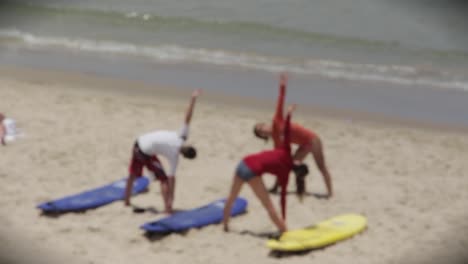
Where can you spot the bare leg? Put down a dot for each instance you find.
(302, 152)
(316, 149)
(171, 183)
(235, 189)
(165, 192)
(128, 189)
(260, 191)
(317, 152)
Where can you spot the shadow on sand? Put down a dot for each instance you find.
(149, 209)
(58, 214)
(153, 237)
(135, 209)
(309, 194)
(285, 254)
(276, 235)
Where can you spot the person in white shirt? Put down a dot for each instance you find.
(168, 144)
(8, 130)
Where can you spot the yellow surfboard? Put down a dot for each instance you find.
(320, 235)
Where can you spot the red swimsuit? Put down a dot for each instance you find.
(299, 134)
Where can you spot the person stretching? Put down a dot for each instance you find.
(308, 142)
(278, 162)
(168, 144)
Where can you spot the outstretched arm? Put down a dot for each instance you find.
(287, 128)
(188, 115)
(281, 95)
(278, 118)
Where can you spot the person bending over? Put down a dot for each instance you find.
(307, 141)
(277, 162)
(169, 144)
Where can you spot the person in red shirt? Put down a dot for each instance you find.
(308, 142)
(278, 162)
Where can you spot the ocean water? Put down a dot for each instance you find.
(414, 45)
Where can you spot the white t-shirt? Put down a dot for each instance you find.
(10, 127)
(165, 143)
(11, 133)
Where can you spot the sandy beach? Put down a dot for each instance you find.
(410, 182)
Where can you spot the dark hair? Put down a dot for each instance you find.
(189, 152)
(301, 171)
(257, 134)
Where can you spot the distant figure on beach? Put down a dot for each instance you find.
(308, 142)
(168, 144)
(8, 131)
(278, 162)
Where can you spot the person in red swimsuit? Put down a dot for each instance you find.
(308, 142)
(278, 162)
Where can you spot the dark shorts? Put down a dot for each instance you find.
(244, 172)
(140, 160)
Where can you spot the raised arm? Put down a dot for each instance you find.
(188, 115)
(281, 95)
(287, 128)
(278, 118)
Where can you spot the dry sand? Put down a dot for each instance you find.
(410, 182)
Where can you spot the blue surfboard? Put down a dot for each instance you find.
(211, 213)
(93, 198)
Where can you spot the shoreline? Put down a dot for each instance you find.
(147, 89)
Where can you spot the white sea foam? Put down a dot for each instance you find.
(398, 74)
